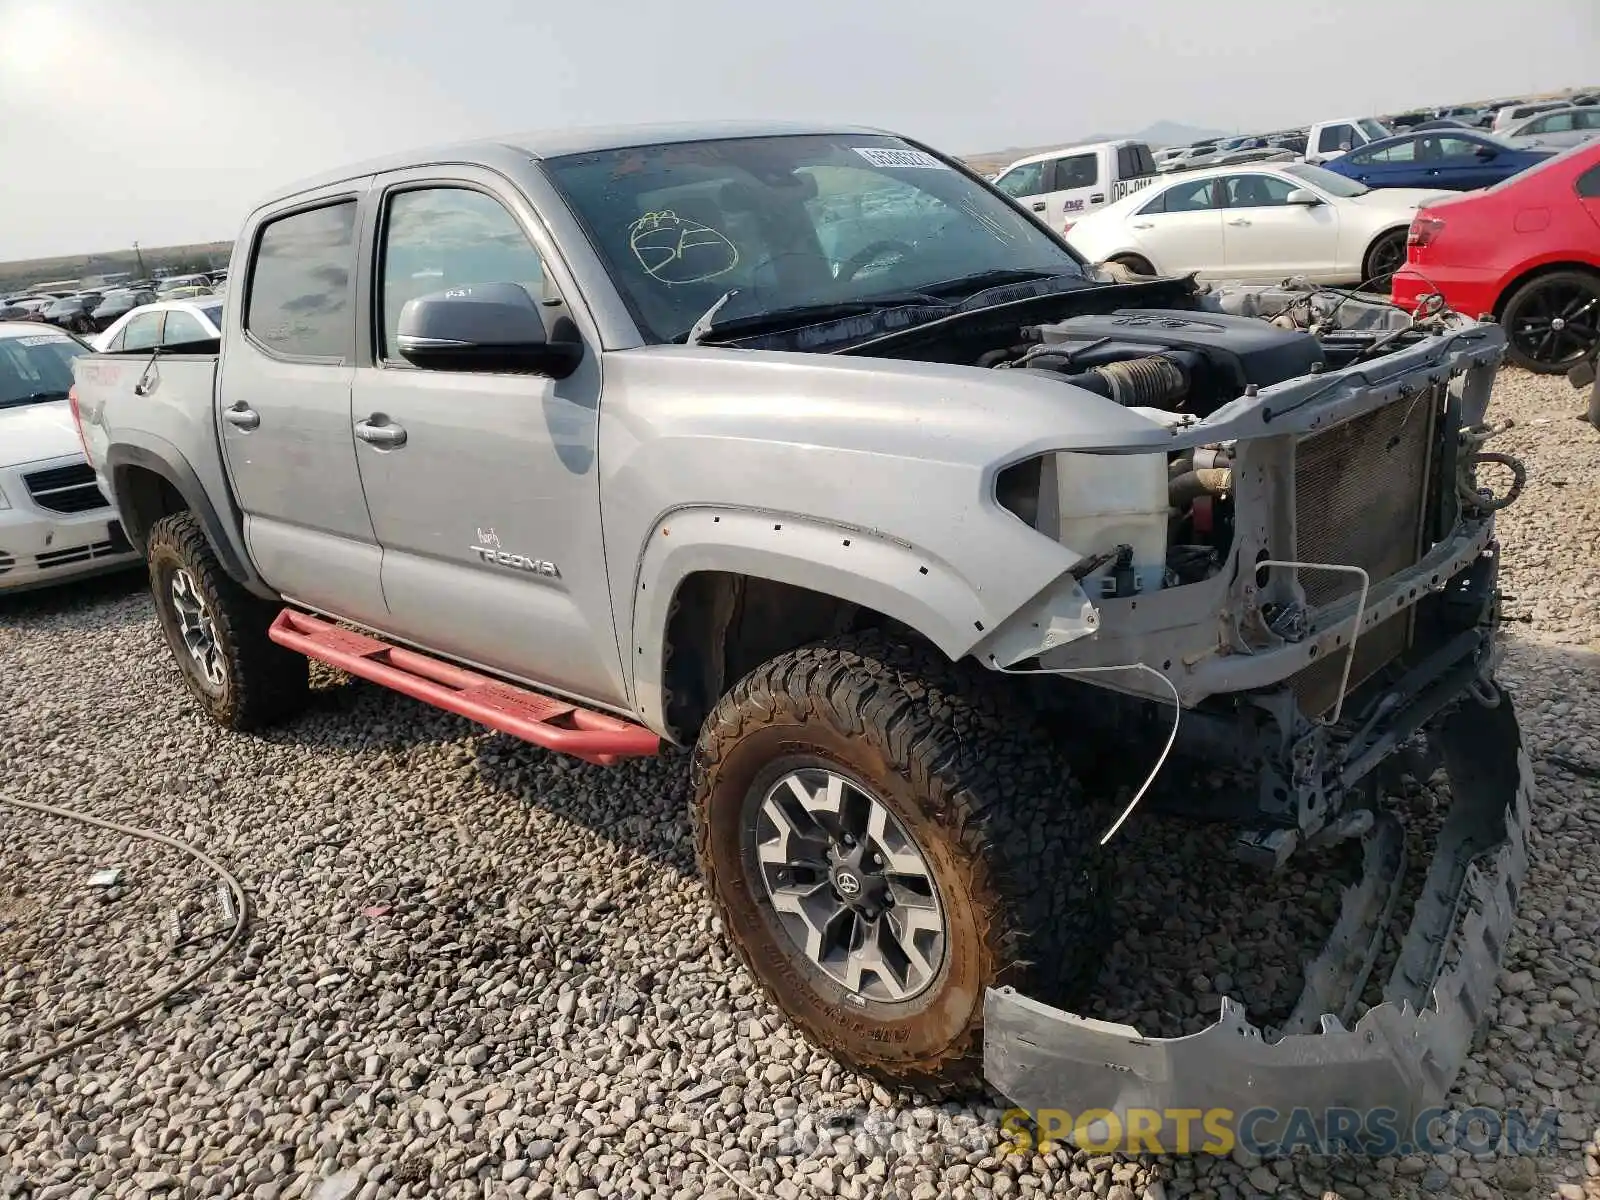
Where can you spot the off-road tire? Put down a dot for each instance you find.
(1010, 840)
(263, 682)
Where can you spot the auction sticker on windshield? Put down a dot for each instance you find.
(42, 339)
(880, 156)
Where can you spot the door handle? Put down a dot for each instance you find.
(241, 416)
(1038, 206)
(1143, 225)
(385, 436)
(1098, 198)
(1238, 221)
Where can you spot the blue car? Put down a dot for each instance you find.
(1450, 159)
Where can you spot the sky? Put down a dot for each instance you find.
(164, 121)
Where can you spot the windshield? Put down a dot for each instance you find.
(36, 368)
(1373, 129)
(1334, 185)
(789, 223)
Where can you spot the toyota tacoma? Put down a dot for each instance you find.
(806, 450)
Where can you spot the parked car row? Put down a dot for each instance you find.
(1525, 249)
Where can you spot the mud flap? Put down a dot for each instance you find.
(1402, 1055)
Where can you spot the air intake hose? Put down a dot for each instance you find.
(1154, 381)
(1208, 481)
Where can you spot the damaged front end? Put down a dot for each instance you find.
(1327, 615)
(1401, 1056)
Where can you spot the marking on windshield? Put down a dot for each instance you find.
(676, 249)
(882, 156)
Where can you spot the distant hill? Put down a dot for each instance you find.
(1161, 133)
(26, 273)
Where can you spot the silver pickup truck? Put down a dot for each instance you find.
(801, 447)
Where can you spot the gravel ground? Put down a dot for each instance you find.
(474, 969)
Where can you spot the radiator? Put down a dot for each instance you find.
(1362, 500)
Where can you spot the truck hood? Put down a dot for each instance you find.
(32, 432)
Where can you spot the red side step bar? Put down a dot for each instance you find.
(532, 716)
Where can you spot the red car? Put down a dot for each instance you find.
(1526, 251)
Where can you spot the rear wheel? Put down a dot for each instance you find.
(1552, 322)
(218, 632)
(884, 841)
(1385, 256)
(1135, 263)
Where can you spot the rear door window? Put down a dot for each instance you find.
(143, 331)
(1192, 196)
(1076, 171)
(1334, 137)
(183, 327)
(300, 302)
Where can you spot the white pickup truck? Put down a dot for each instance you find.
(1063, 185)
(1327, 140)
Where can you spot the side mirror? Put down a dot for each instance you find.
(1303, 196)
(482, 327)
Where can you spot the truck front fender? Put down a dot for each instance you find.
(862, 566)
(147, 452)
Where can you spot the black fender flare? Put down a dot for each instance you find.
(224, 530)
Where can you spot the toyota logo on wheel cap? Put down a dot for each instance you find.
(847, 883)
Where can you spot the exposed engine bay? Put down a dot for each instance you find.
(1176, 367)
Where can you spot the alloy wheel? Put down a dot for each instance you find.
(197, 628)
(1559, 323)
(849, 887)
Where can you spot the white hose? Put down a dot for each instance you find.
(241, 905)
(1172, 736)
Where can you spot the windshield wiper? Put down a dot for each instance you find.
(971, 285)
(799, 314)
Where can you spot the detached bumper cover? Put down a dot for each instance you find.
(1402, 1055)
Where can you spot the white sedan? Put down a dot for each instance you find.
(164, 323)
(55, 523)
(1256, 223)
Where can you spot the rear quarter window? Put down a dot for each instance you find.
(300, 302)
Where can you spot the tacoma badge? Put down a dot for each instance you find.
(489, 551)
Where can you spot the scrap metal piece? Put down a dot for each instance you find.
(1336, 977)
(1402, 1055)
(108, 878)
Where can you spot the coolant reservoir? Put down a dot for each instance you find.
(1110, 500)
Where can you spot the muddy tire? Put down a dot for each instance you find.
(218, 632)
(988, 873)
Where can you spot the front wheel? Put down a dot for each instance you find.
(884, 840)
(1552, 322)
